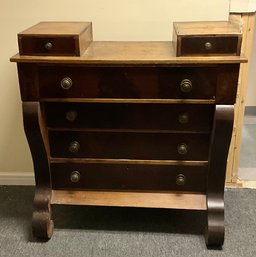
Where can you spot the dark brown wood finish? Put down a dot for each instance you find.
(56, 39)
(28, 81)
(36, 143)
(216, 83)
(61, 46)
(128, 177)
(129, 123)
(220, 141)
(129, 145)
(171, 117)
(207, 38)
(42, 225)
(220, 45)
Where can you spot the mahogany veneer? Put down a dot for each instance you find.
(129, 123)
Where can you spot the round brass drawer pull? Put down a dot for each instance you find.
(186, 85)
(182, 149)
(208, 45)
(74, 147)
(180, 180)
(75, 176)
(66, 83)
(71, 115)
(183, 118)
(48, 46)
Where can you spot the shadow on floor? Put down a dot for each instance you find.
(16, 202)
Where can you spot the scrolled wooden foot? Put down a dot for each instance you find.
(215, 229)
(42, 224)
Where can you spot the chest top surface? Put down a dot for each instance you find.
(45, 43)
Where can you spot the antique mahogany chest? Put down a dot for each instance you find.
(138, 124)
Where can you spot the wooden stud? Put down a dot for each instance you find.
(247, 22)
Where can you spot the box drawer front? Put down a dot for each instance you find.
(127, 145)
(185, 117)
(64, 45)
(128, 82)
(128, 177)
(210, 45)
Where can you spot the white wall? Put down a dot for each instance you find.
(112, 20)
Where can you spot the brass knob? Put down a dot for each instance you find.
(48, 46)
(183, 118)
(180, 180)
(75, 176)
(66, 83)
(71, 115)
(208, 45)
(186, 85)
(74, 147)
(182, 149)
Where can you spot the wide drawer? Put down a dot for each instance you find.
(128, 177)
(185, 117)
(129, 145)
(215, 83)
(128, 82)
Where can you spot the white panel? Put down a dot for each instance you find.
(242, 6)
(251, 92)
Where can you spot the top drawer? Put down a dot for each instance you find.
(216, 83)
(56, 38)
(207, 38)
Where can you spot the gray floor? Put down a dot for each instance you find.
(247, 163)
(130, 232)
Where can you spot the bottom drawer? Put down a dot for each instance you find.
(128, 177)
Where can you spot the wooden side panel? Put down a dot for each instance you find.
(85, 39)
(227, 82)
(28, 81)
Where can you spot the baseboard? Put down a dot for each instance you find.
(17, 178)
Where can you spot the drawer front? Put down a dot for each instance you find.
(128, 177)
(128, 82)
(209, 45)
(185, 117)
(48, 45)
(127, 145)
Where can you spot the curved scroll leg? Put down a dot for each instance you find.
(42, 225)
(220, 141)
(215, 231)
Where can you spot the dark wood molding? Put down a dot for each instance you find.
(219, 147)
(42, 225)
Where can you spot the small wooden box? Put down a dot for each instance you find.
(206, 38)
(56, 38)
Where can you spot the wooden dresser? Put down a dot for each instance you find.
(138, 124)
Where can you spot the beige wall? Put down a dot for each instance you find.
(112, 20)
